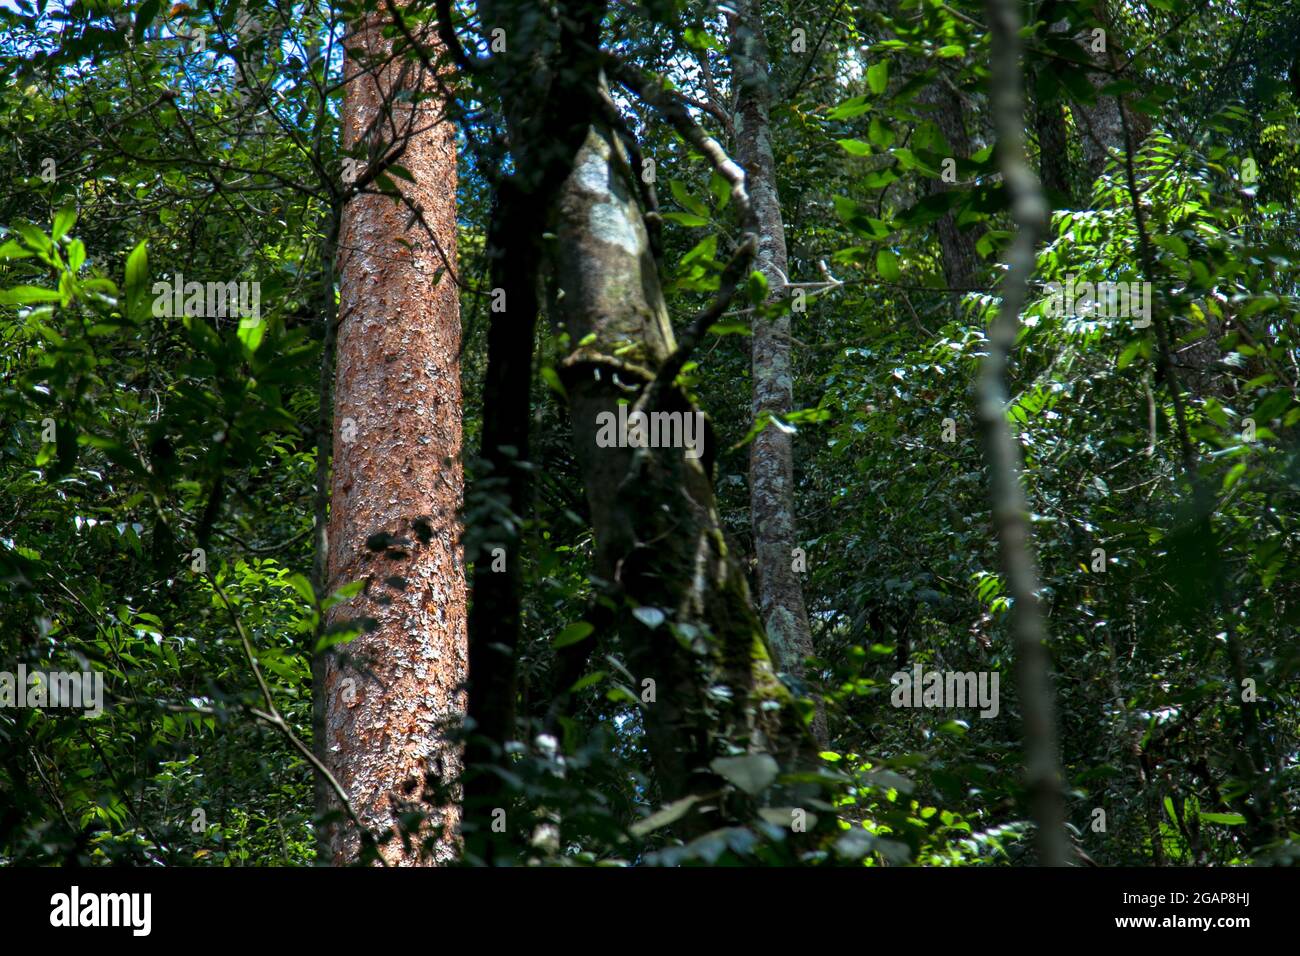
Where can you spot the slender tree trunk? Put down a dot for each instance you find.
(328, 307)
(545, 122)
(1029, 210)
(499, 504)
(1053, 145)
(391, 694)
(771, 459)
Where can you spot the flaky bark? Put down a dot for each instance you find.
(397, 480)
(771, 458)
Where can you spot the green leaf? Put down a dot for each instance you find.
(850, 108)
(1130, 352)
(721, 189)
(880, 134)
(572, 634)
(552, 378)
(13, 249)
(1234, 475)
(251, 330)
(137, 279)
(854, 214)
(588, 681)
(686, 219)
(144, 16)
(76, 254)
(909, 160)
(661, 818)
(35, 238)
(301, 585)
(700, 39)
(1272, 406)
(686, 200)
(730, 328)
(63, 221)
(887, 265)
(706, 250)
(855, 147)
(879, 179)
(752, 773)
(878, 77)
(345, 593)
(1227, 819)
(26, 294)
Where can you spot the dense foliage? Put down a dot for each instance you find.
(157, 473)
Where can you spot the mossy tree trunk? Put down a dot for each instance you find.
(682, 615)
(685, 617)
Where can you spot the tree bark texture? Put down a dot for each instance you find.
(1050, 127)
(771, 458)
(684, 611)
(397, 485)
(960, 261)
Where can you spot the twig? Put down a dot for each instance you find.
(272, 715)
(651, 90)
(732, 275)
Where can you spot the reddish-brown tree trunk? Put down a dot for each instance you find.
(391, 693)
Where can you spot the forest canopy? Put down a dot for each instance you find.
(496, 432)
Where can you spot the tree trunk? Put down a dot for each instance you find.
(545, 126)
(1030, 212)
(391, 693)
(1050, 127)
(942, 102)
(1053, 155)
(1103, 129)
(771, 458)
(960, 261)
(683, 607)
